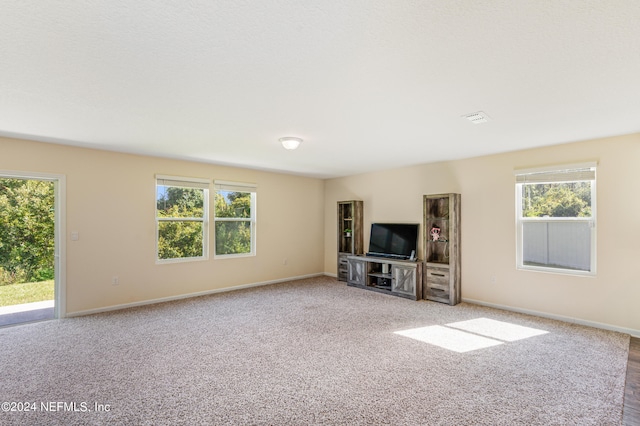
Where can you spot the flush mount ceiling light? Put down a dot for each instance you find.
(289, 142)
(477, 117)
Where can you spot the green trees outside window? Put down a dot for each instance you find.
(27, 223)
(233, 222)
(182, 218)
(566, 199)
(181, 222)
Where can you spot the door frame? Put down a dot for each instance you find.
(60, 230)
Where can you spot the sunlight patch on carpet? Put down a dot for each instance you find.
(497, 329)
(449, 338)
(471, 335)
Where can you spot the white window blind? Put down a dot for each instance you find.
(182, 182)
(221, 185)
(575, 173)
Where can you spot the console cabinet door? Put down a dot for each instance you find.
(357, 269)
(404, 279)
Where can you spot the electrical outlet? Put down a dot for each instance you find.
(492, 279)
(115, 280)
(284, 261)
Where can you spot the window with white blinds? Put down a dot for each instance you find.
(182, 218)
(235, 219)
(556, 219)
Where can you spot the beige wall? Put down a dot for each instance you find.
(111, 204)
(488, 227)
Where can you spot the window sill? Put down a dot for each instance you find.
(233, 256)
(557, 271)
(180, 260)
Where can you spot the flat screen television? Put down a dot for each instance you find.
(394, 240)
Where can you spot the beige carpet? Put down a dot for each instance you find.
(311, 352)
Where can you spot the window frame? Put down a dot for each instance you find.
(184, 182)
(553, 175)
(252, 188)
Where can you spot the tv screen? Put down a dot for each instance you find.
(397, 240)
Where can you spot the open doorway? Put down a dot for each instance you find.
(30, 247)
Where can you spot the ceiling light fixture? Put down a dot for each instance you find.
(289, 142)
(477, 117)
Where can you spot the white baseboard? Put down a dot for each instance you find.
(185, 296)
(630, 331)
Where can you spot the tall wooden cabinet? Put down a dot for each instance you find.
(350, 234)
(442, 248)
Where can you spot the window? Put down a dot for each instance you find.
(182, 223)
(235, 219)
(556, 219)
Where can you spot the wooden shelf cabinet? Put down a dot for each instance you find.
(396, 277)
(349, 243)
(441, 235)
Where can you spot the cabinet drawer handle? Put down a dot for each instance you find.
(437, 275)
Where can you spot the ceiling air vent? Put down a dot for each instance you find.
(477, 117)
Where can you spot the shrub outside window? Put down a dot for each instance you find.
(235, 219)
(556, 219)
(181, 218)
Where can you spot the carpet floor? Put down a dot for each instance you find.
(312, 351)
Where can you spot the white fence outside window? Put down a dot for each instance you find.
(563, 244)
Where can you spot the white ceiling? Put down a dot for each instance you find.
(368, 84)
